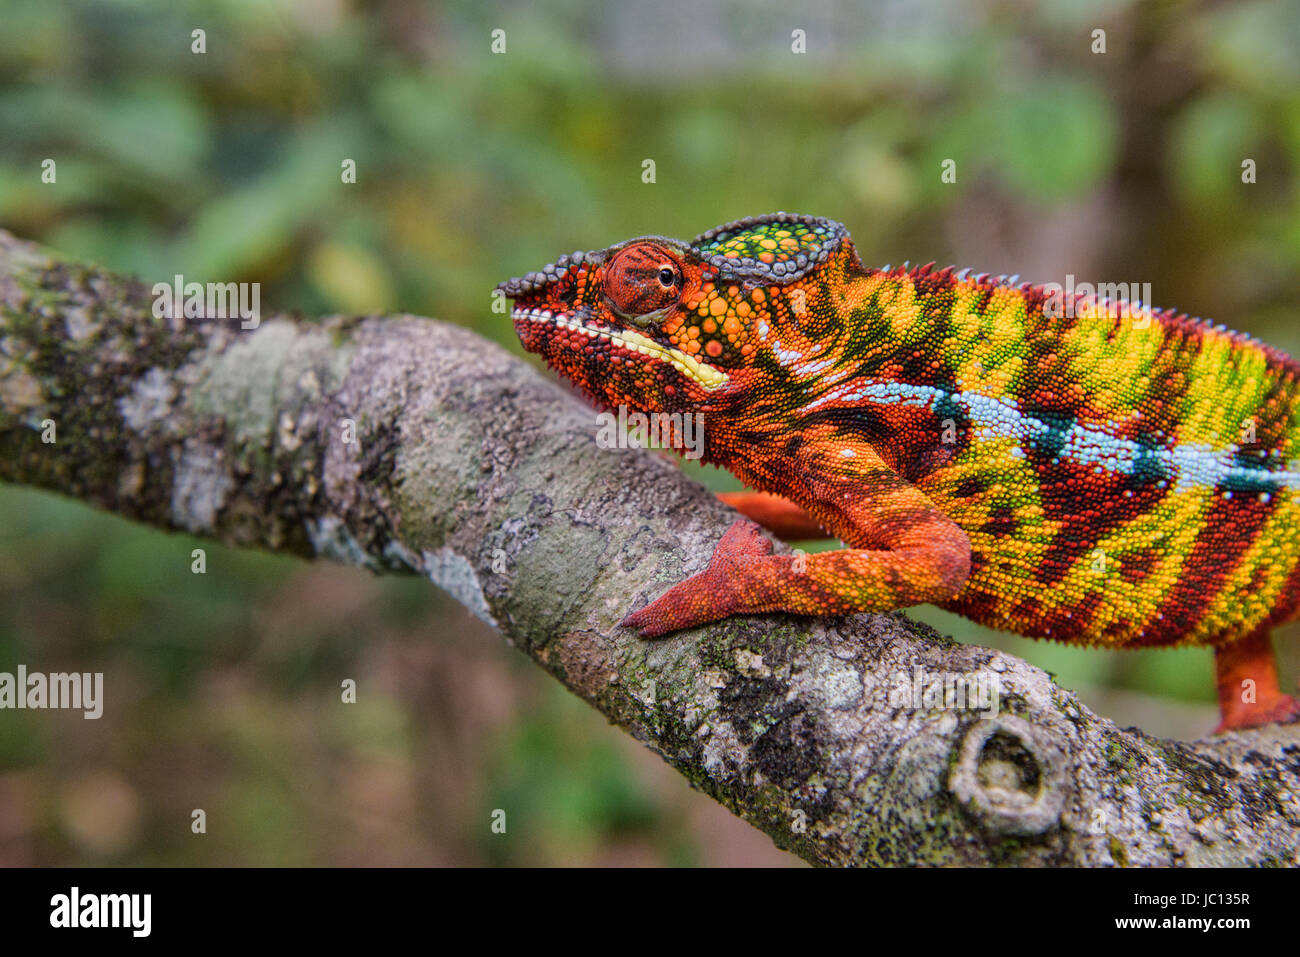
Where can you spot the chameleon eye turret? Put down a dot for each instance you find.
(1081, 475)
(642, 280)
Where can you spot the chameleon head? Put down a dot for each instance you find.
(662, 325)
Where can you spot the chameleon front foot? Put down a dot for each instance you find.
(926, 559)
(714, 593)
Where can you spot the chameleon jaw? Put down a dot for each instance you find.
(703, 375)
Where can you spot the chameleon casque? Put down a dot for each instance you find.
(1107, 475)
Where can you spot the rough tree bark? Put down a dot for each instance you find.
(472, 469)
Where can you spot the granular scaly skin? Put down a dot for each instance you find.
(1091, 472)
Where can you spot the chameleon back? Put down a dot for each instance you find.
(1126, 477)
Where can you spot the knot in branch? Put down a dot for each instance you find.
(1010, 776)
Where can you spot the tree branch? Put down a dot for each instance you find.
(472, 469)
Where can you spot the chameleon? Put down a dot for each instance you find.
(1091, 471)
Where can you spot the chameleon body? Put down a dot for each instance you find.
(1091, 472)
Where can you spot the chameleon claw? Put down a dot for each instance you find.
(644, 623)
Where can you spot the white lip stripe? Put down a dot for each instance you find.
(699, 372)
(1188, 465)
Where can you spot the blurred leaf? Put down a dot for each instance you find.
(1255, 44)
(35, 31)
(352, 278)
(1054, 139)
(877, 175)
(247, 226)
(1208, 143)
(150, 128)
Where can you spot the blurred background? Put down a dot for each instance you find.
(474, 166)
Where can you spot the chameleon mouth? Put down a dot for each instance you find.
(705, 376)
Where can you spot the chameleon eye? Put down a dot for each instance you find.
(642, 279)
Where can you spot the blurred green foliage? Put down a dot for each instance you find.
(472, 167)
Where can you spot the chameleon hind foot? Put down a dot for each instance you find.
(1247, 669)
(780, 516)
